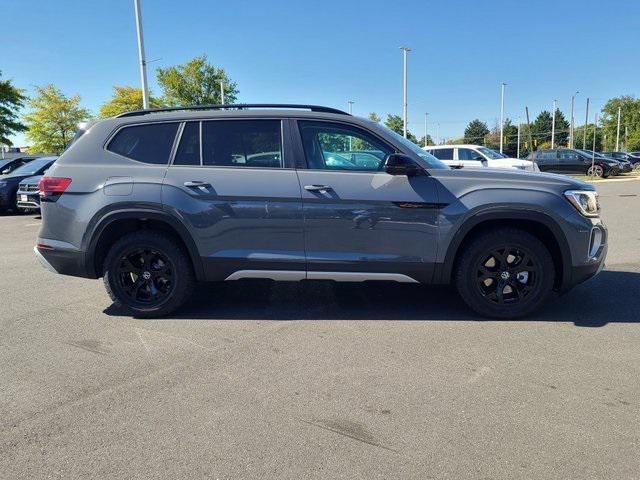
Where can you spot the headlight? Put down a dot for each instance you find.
(585, 201)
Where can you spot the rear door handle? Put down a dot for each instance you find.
(197, 183)
(317, 188)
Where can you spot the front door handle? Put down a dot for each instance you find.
(197, 183)
(317, 188)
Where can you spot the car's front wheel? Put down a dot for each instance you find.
(148, 274)
(596, 171)
(505, 273)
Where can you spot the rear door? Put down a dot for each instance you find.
(570, 162)
(447, 156)
(361, 222)
(547, 161)
(233, 184)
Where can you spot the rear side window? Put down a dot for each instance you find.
(242, 143)
(443, 153)
(150, 143)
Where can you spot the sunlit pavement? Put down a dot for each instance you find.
(320, 380)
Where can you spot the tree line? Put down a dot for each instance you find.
(53, 117)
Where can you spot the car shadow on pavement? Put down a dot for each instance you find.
(610, 297)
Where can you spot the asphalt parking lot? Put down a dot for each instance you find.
(320, 380)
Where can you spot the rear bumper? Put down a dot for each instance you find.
(32, 200)
(62, 261)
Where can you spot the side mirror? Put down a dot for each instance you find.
(399, 164)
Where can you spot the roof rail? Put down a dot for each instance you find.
(237, 106)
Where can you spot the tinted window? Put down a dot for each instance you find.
(568, 156)
(329, 146)
(34, 167)
(468, 154)
(443, 153)
(188, 152)
(145, 143)
(242, 143)
(547, 155)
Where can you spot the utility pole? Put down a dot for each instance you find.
(350, 102)
(571, 129)
(502, 85)
(618, 131)
(405, 51)
(426, 119)
(518, 150)
(437, 134)
(221, 82)
(553, 123)
(143, 61)
(586, 122)
(593, 153)
(626, 135)
(526, 109)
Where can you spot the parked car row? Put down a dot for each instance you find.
(581, 162)
(19, 182)
(477, 156)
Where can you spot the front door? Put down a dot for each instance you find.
(570, 162)
(360, 222)
(237, 194)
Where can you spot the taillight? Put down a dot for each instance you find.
(53, 185)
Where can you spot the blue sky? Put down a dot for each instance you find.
(330, 52)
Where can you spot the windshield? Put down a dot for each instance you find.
(492, 154)
(33, 167)
(409, 145)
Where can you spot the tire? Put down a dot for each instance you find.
(636, 167)
(596, 171)
(148, 274)
(485, 266)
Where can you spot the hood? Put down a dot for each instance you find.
(510, 178)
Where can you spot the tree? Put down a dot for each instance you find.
(476, 132)
(629, 118)
(510, 139)
(11, 100)
(541, 128)
(373, 116)
(196, 82)
(395, 123)
(579, 137)
(125, 99)
(429, 141)
(53, 120)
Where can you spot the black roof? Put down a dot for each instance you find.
(238, 106)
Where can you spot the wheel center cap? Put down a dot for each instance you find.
(146, 275)
(504, 275)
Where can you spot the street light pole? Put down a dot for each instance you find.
(586, 122)
(221, 82)
(350, 102)
(437, 134)
(572, 142)
(553, 123)
(405, 51)
(618, 131)
(502, 85)
(518, 154)
(426, 118)
(143, 61)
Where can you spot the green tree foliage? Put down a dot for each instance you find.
(542, 126)
(510, 139)
(429, 141)
(374, 117)
(11, 100)
(395, 123)
(195, 82)
(579, 137)
(629, 118)
(476, 132)
(53, 119)
(125, 99)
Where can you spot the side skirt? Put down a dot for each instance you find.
(292, 275)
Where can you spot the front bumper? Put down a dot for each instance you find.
(28, 200)
(596, 255)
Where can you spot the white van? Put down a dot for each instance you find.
(477, 156)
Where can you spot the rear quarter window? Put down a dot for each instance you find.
(150, 143)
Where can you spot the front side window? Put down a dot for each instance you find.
(468, 154)
(547, 155)
(242, 143)
(568, 156)
(149, 143)
(329, 146)
(443, 153)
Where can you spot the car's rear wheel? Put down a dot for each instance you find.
(636, 167)
(148, 274)
(505, 273)
(596, 171)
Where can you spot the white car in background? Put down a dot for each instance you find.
(477, 156)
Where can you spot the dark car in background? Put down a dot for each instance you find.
(631, 157)
(8, 165)
(9, 183)
(28, 196)
(574, 162)
(624, 166)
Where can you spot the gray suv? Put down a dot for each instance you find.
(155, 200)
